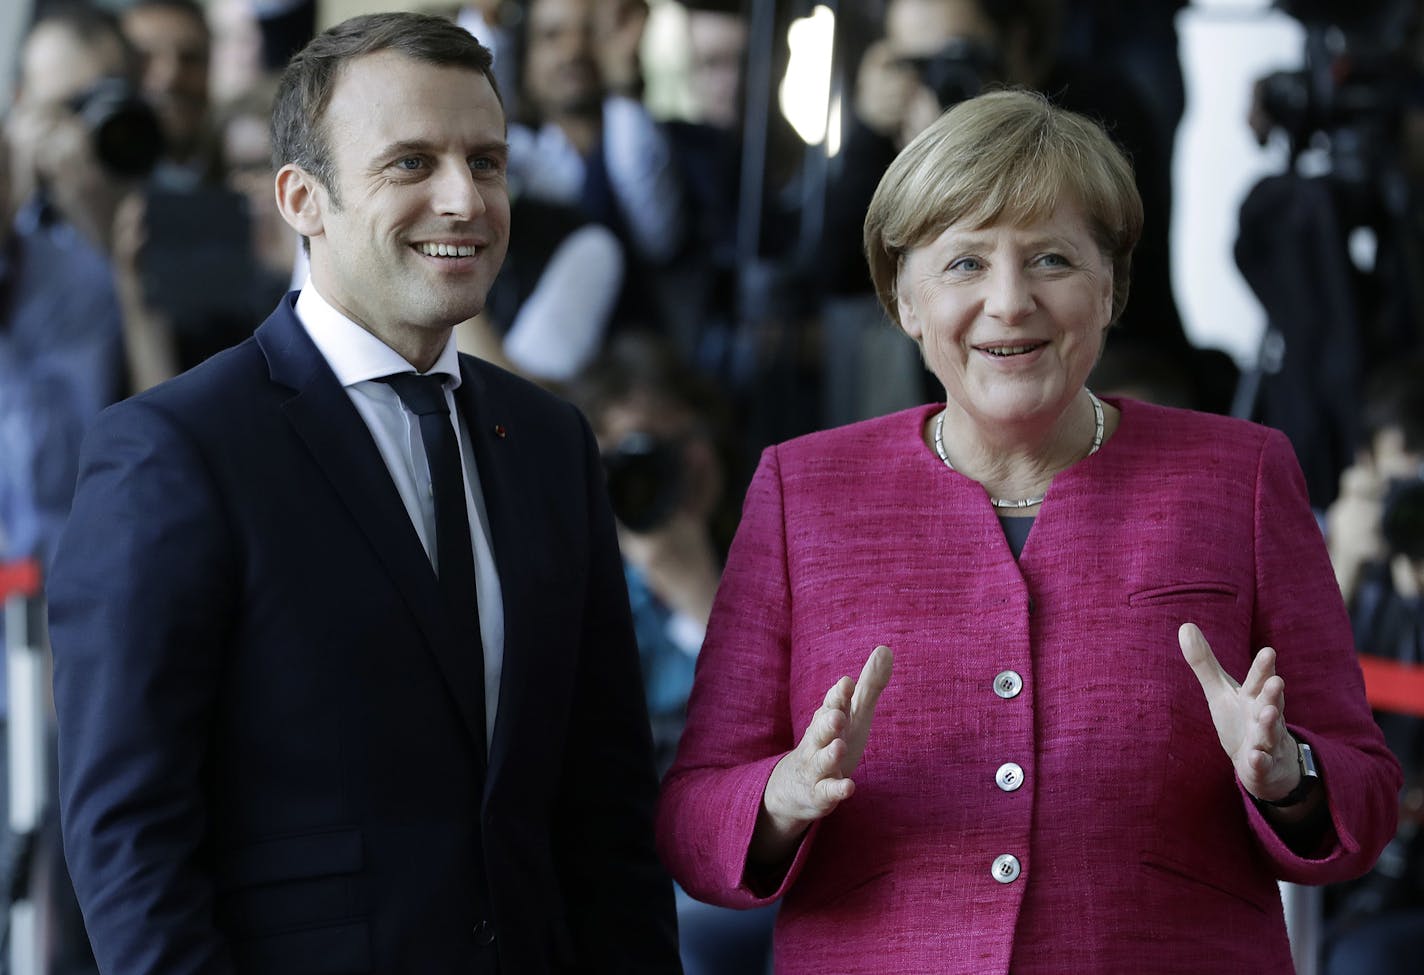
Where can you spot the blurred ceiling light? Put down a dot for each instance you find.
(806, 88)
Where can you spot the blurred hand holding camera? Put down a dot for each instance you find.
(1353, 524)
(148, 334)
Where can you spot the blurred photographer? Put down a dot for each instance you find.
(183, 250)
(1331, 246)
(75, 140)
(660, 428)
(1376, 538)
(174, 49)
(1391, 456)
(657, 426)
(64, 162)
(81, 135)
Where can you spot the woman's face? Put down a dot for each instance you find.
(1009, 318)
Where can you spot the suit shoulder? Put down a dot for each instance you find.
(240, 363)
(1191, 432)
(211, 388)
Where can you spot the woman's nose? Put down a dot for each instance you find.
(1009, 298)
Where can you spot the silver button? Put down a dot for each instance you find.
(1008, 684)
(1006, 868)
(1009, 777)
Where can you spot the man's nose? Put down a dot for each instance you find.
(456, 192)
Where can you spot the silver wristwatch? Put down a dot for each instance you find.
(1308, 777)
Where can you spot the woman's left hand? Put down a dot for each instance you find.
(1249, 717)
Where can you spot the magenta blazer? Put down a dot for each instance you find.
(1136, 848)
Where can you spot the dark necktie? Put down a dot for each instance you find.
(425, 397)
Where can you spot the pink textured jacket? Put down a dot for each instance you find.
(1136, 848)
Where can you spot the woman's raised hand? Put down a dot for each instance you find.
(1249, 717)
(815, 777)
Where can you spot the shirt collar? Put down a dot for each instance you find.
(353, 353)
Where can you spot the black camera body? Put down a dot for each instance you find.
(646, 480)
(1402, 520)
(124, 129)
(1358, 80)
(958, 71)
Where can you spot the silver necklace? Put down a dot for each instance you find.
(1021, 502)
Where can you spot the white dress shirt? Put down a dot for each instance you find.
(359, 359)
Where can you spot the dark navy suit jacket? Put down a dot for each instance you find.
(266, 727)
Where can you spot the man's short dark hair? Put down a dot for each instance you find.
(298, 118)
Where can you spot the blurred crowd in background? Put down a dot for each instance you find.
(688, 268)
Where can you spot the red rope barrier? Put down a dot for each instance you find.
(1393, 686)
(20, 578)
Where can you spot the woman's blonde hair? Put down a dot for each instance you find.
(1005, 157)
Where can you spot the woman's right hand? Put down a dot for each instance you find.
(815, 777)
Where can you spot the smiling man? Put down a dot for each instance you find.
(343, 664)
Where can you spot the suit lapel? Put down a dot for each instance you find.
(322, 415)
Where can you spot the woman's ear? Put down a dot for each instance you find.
(300, 199)
(910, 322)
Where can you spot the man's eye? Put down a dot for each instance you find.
(410, 164)
(485, 164)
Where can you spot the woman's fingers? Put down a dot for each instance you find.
(874, 677)
(1262, 669)
(1213, 679)
(1249, 717)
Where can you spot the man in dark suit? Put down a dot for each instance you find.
(300, 731)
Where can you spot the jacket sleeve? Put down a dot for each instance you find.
(140, 596)
(1299, 612)
(619, 895)
(739, 723)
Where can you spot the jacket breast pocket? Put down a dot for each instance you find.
(289, 904)
(1207, 591)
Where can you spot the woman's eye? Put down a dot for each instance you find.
(966, 264)
(1053, 260)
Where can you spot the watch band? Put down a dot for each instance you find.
(1308, 777)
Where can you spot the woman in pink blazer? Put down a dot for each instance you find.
(1063, 775)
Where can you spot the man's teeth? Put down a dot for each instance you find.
(445, 250)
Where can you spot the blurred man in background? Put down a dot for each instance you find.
(173, 43)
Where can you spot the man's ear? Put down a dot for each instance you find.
(300, 199)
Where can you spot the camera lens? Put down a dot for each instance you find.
(644, 480)
(125, 130)
(958, 72)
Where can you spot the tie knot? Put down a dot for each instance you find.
(422, 395)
